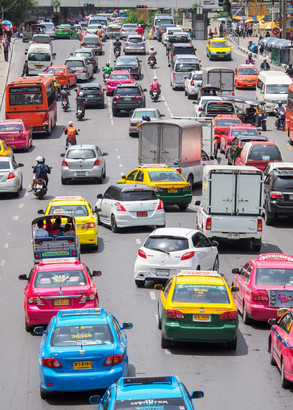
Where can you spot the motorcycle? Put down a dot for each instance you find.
(40, 188)
(117, 52)
(64, 104)
(152, 62)
(155, 95)
(70, 141)
(80, 113)
(280, 120)
(105, 77)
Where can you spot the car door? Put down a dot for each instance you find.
(266, 187)
(240, 282)
(106, 205)
(281, 335)
(204, 251)
(130, 178)
(71, 76)
(101, 158)
(163, 297)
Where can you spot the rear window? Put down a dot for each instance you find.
(64, 278)
(83, 54)
(84, 335)
(166, 243)
(135, 40)
(247, 71)
(227, 123)
(41, 39)
(90, 90)
(127, 91)
(265, 153)
(283, 183)
(139, 114)
(187, 67)
(74, 210)
(191, 293)
(219, 44)
(249, 132)
(220, 108)
(162, 403)
(74, 63)
(132, 26)
(165, 176)
(39, 56)
(132, 62)
(160, 21)
(56, 70)
(119, 76)
(10, 127)
(197, 77)
(138, 195)
(4, 165)
(183, 50)
(274, 277)
(81, 154)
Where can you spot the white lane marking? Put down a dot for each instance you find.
(167, 351)
(152, 295)
(6, 245)
(120, 165)
(8, 233)
(138, 241)
(26, 194)
(15, 218)
(118, 156)
(20, 205)
(2, 263)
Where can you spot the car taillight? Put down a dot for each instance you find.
(52, 363)
(161, 205)
(192, 83)
(143, 44)
(187, 255)
(88, 225)
(84, 70)
(228, 316)
(97, 162)
(54, 29)
(83, 45)
(138, 97)
(154, 28)
(85, 297)
(127, 44)
(133, 124)
(260, 295)
(66, 31)
(291, 351)
(117, 98)
(179, 170)
(11, 175)
(46, 119)
(276, 195)
(119, 207)
(98, 44)
(101, 91)
(114, 359)
(174, 74)
(209, 224)
(35, 300)
(200, 109)
(141, 253)
(174, 314)
(259, 225)
(64, 163)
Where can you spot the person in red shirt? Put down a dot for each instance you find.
(139, 30)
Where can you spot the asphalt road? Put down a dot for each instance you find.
(243, 379)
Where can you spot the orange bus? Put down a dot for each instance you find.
(289, 114)
(32, 99)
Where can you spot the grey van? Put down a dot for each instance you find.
(183, 65)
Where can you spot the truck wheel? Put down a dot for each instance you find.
(183, 207)
(256, 244)
(190, 180)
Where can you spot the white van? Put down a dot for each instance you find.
(272, 87)
(39, 58)
(183, 65)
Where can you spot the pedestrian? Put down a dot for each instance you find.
(25, 69)
(221, 29)
(242, 29)
(234, 27)
(249, 28)
(1, 31)
(8, 31)
(267, 34)
(6, 48)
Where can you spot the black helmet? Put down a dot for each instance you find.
(249, 55)
(108, 64)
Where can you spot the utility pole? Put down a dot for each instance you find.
(284, 18)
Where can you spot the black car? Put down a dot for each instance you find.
(93, 94)
(177, 38)
(180, 49)
(234, 150)
(278, 193)
(130, 63)
(127, 97)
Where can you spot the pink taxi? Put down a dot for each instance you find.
(118, 77)
(16, 134)
(53, 285)
(265, 285)
(281, 346)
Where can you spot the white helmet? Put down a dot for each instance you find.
(70, 123)
(81, 94)
(40, 159)
(155, 78)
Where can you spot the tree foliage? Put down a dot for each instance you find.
(17, 11)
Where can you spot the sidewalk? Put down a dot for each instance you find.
(4, 70)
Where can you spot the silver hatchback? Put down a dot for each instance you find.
(127, 29)
(134, 44)
(10, 176)
(82, 162)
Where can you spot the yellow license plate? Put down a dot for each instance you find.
(39, 67)
(201, 318)
(82, 365)
(61, 302)
(172, 190)
(9, 138)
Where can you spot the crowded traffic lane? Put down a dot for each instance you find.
(208, 367)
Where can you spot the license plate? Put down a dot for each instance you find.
(232, 236)
(82, 365)
(61, 302)
(163, 272)
(127, 98)
(39, 67)
(9, 138)
(220, 55)
(291, 197)
(172, 190)
(90, 96)
(81, 173)
(201, 318)
(142, 214)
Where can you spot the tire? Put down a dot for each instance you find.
(264, 125)
(188, 96)
(115, 112)
(272, 359)
(100, 179)
(190, 180)
(28, 328)
(246, 318)
(229, 162)
(139, 283)
(284, 382)
(64, 181)
(159, 320)
(185, 92)
(183, 207)
(95, 247)
(232, 345)
(256, 245)
(44, 395)
(269, 217)
(216, 264)
(114, 227)
(165, 343)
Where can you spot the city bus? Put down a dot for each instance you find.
(289, 114)
(32, 99)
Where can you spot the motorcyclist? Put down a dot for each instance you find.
(152, 54)
(71, 132)
(117, 44)
(265, 65)
(139, 30)
(249, 60)
(41, 170)
(80, 101)
(277, 110)
(289, 70)
(107, 69)
(155, 85)
(65, 95)
(100, 31)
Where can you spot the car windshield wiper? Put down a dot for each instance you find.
(161, 250)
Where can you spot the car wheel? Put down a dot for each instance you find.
(284, 382)
(190, 180)
(272, 359)
(44, 395)
(269, 217)
(185, 92)
(183, 207)
(159, 320)
(216, 264)
(139, 283)
(102, 105)
(64, 181)
(256, 244)
(114, 227)
(246, 318)
(165, 343)
(115, 112)
(232, 345)
(28, 328)
(100, 179)
(189, 96)
(96, 246)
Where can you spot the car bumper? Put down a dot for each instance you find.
(81, 76)
(243, 84)
(96, 172)
(128, 106)
(133, 130)
(124, 221)
(261, 313)
(88, 238)
(94, 101)
(18, 144)
(143, 272)
(175, 199)
(135, 50)
(281, 209)
(9, 186)
(224, 56)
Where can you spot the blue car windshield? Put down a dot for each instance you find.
(64, 336)
(170, 403)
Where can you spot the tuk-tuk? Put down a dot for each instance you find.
(32, 27)
(188, 30)
(54, 236)
(114, 30)
(250, 111)
(208, 90)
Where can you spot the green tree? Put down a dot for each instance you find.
(17, 10)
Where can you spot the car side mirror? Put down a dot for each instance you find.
(25, 53)
(159, 286)
(235, 271)
(39, 330)
(169, 65)
(197, 394)
(197, 203)
(40, 211)
(104, 154)
(20, 165)
(212, 157)
(234, 289)
(96, 273)
(62, 155)
(144, 89)
(127, 325)
(272, 322)
(71, 54)
(54, 54)
(100, 196)
(95, 399)
(162, 115)
(123, 177)
(22, 277)
(215, 243)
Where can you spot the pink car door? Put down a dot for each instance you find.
(280, 337)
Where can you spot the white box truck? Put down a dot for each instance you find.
(231, 206)
(176, 143)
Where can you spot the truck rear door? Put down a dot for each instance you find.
(222, 199)
(248, 194)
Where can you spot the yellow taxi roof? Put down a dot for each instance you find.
(200, 277)
(64, 200)
(157, 168)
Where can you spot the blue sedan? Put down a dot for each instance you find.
(82, 349)
(157, 393)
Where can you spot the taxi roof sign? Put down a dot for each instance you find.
(275, 256)
(79, 312)
(59, 260)
(210, 273)
(68, 198)
(153, 166)
(127, 381)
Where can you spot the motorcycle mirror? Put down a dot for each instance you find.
(144, 89)
(78, 129)
(62, 155)
(104, 154)
(20, 165)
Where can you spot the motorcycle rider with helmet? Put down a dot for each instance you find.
(41, 170)
(278, 109)
(107, 69)
(71, 132)
(250, 60)
(64, 95)
(152, 54)
(80, 101)
(155, 85)
(265, 65)
(117, 44)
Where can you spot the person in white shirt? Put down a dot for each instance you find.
(40, 232)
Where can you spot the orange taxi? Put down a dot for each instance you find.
(246, 76)
(64, 74)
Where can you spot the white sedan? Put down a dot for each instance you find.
(10, 176)
(167, 251)
(170, 31)
(126, 205)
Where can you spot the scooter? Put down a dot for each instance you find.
(280, 120)
(80, 113)
(155, 95)
(40, 188)
(70, 141)
(152, 62)
(117, 51)
(105, 77)
(64, 104)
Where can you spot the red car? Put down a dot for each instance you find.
(265, 285)
(118, 77)
(234, 131)
(246, 76)
(65, 76)
(281, 346)
(258, 154)
(221, 124)
(16, 134)
(53, 285)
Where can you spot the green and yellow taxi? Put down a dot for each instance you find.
(5, 150)
(218, 49)
(85, 217)
(197, 306)
(65, 31)
(168, 183)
